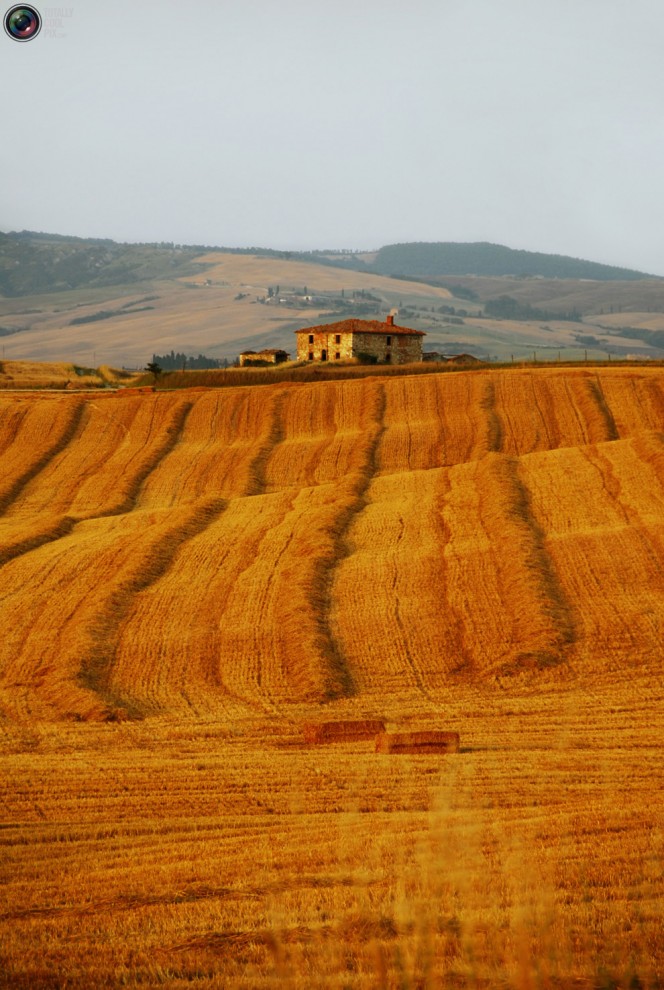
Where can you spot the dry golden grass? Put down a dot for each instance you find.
(224, 854)
(187, 580)
(56, 375)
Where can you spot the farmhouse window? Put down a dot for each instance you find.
(323, 355)
(388, 358)
(311, 338)
(389, 341)
(311, 357)
(337, 338)
(337, 356)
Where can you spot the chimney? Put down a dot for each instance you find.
(390, 320)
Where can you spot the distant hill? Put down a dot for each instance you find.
(424, 259)
(32, 263)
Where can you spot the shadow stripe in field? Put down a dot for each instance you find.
(500, 578)
(222, 614)
(322, 426)
(102, 428)
(22, 532)
(45, 431)
(389, 595)
(603, 528)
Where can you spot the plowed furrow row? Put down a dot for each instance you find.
(274, 637)
(321, 434)
(102, 471)
(294, 648)
(636, 402)
(46, 430)
(48, 600)
(80, 590)
(189, 637)
(600, 512)
(433, 421)
(12, 415)
(413, 427)
(390, 608)
(501, 579)
(589, 401)
(597, 392)
(222, 449)
(102, 428)
(16, 538)
(534, 412)
(494, 421)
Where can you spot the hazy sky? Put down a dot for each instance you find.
(331, 123)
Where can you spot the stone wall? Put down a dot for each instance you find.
(403, 349)
(324, 341)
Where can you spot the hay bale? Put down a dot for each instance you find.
(417, 742)
(343, 731)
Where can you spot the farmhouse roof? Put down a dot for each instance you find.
(362, 326)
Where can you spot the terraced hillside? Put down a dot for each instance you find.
(299, 543)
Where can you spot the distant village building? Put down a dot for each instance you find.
(386, 342)
(270, 355)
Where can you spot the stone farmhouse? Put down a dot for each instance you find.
(271, 355)
(387, 342)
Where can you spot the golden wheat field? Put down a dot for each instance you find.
(190, 580)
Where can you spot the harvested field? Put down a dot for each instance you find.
(420, 508)
(57, 375)
(192, 582)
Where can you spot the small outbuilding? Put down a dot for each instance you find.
(370, 339)
(270, 355)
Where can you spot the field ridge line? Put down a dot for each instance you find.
(67, 523)
(152, 560)
(340, 678)
(12, 492)
(494, 426)
(257, 482)
(554, 629)
(60, 528)
(597, 392)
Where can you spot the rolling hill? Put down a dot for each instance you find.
(480, 524)
(424, 259)
(187, 578)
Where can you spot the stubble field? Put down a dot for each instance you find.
(187, 578)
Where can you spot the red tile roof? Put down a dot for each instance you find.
(362, 326)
